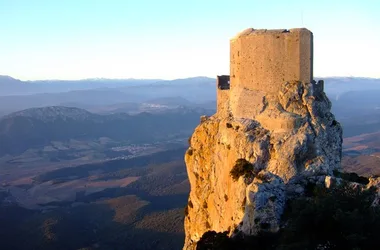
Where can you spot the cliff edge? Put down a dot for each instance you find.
(272, 134)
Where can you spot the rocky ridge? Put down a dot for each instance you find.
(283, 161)
(272, 142)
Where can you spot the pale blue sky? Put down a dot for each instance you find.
(76, 39)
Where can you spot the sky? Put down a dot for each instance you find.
(168, 39)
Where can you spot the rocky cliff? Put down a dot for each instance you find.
(241, 172)
(243, 166)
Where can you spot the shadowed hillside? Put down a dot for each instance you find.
(37, 127)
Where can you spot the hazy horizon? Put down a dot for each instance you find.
(159, 79)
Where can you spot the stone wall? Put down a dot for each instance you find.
(265, 59)
(261, 63)
(222, 94)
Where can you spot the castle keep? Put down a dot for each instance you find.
(271, 115)
(261, 61)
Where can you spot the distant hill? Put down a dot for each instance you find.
(358, 111)
(94, 94)
(195, 89)
(8, 80)
(37, 127)
(354, 100)
(157, 105)
(361, 154)
(170, 101)
(91, 97)
(334, 86)
(11, 86)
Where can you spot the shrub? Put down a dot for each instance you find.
(341, 217)
(242, 167)
(353, 177)
(190, 151)
(212, 240)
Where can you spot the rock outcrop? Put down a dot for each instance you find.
(263, 145)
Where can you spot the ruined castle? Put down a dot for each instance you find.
(272, 114)
(261, 62)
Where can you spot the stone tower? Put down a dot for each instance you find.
(262, 59)
(261, 62)
(271, 114)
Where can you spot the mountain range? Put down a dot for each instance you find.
(38, 127)
(100, 162)
(353, 99)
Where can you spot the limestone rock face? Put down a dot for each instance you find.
(290, 136)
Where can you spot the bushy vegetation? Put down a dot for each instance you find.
(146, 214)
(242, 167)
(212, 240)
(130, 167)
(338, 218)
(342, 217)
(353, 177)
(189, 151)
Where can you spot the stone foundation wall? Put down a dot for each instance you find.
(222, 94)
